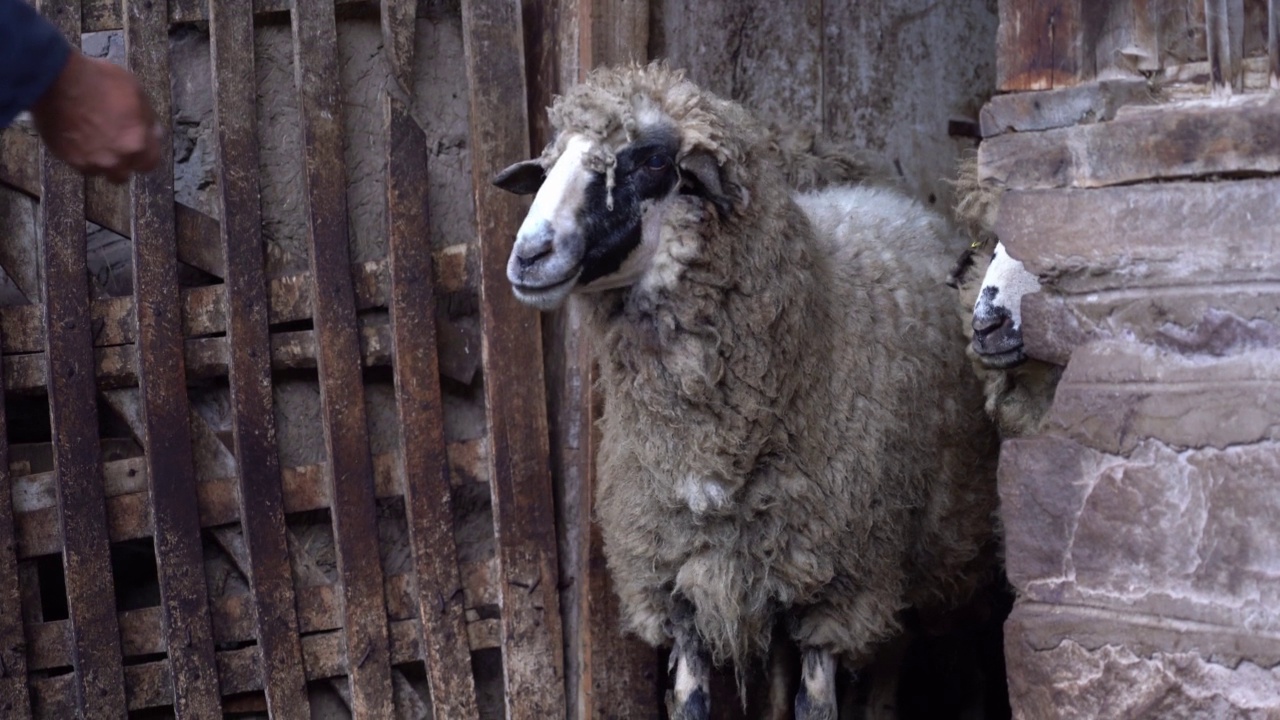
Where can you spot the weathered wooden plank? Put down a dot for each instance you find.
(116, 366)
(102, 15)
(319, 610)
(428, 506)
(148, 683)
(515, 397)
(14, 698)
(1273, 42)
(1048, 109)
(163, 392)
(1041, 45)
(108, 205)
(399, 31)
(1224, 34)
(261, 506)
(763, 54)
(204, 309)
(99, 676)
(1128, 41)
(338, 359)
(606, 674)
(1163, 143)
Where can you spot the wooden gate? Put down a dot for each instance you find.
(157, 561)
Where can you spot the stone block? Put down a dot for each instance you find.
(1081, 663)
(1184, 534)
(1047, 109)
(1115, 395)
(1141, 143)
(1196, 319)
(1144, 236)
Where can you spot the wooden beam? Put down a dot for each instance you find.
(98, 680)
(15, 701)
(163, 388)
(342, 397)
(261, 506)
(420, 407)
(1041, 45)
(533, 662)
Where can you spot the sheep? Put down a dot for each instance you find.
(991, 284)
(791, 434)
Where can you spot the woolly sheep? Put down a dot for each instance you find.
(790, 432)
(1018, 390)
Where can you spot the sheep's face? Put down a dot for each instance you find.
(583, 235)
(997, 314)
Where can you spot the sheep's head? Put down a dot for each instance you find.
(997, 313)
(632, 144)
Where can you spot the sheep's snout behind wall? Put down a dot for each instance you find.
(997, 314)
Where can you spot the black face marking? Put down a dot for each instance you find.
(645, 170)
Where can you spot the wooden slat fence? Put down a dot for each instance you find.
(361, 632)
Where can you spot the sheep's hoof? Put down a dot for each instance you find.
(807, 708)
(695, 707)
(817, 697)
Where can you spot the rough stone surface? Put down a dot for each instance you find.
(1115, 395)
(1056, 324)
(1061, 677)
(1187, 534)
(1047, 109)
(1141, 143)
(1155, 235)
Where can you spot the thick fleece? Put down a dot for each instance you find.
(791, 430)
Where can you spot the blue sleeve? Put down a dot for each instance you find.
(32, 54)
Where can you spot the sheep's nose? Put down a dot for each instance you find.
(534, 247)
(985, 324)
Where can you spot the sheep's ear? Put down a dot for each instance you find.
(700, 175)
(523, 178)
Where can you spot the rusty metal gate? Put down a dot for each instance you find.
(108, 466)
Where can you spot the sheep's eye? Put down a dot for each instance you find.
(657, 162)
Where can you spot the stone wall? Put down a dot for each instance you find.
(1141, 532)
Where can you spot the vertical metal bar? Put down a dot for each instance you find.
(15, 700)
(515, 396)
(95, 653)
(338, 360)
(162, 385)
(424, 463)
(248, 335)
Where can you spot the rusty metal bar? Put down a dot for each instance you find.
(15, 701)
(261, 502)
(315, 47)
(428, 506)
(99, 674)
(515, 396)
(163, 391)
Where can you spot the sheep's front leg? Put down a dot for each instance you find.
(690, 667)
(817, 697)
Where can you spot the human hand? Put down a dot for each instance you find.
(96, 119)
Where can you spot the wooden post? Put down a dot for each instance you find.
(425, 467)
(520, 478)
(1041, 45)
(99, 672)
(162, 384)
(350, 468)
(260, 496)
